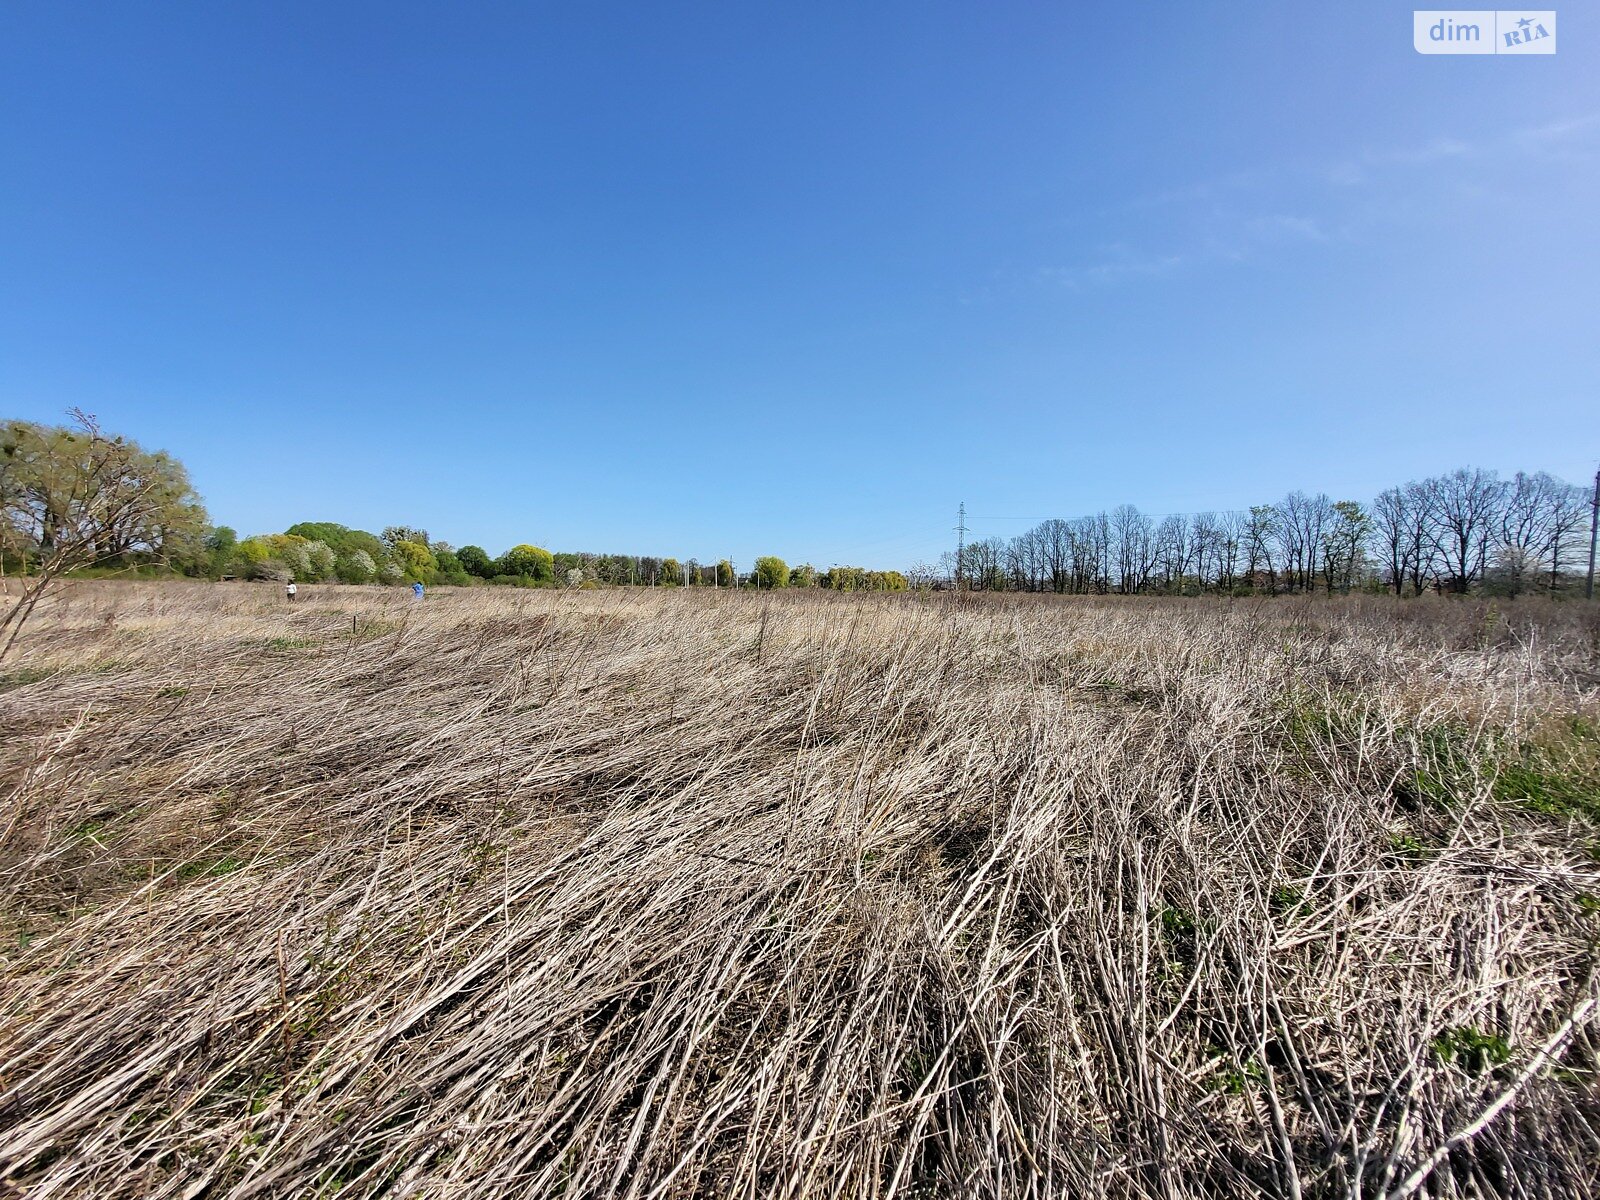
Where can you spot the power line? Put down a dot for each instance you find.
(1205, 512)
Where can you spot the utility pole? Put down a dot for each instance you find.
(1594, 535)
(961, 540)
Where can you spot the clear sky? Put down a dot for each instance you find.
(794, 278)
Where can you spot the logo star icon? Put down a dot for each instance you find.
(1525, 22)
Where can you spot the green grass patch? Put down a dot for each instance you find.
(202, 868)
(1556, 772)
(287, 645)
(1448, 767)
(24, 676)
(373, 627)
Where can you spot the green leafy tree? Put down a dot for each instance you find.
(772, 572)
(847, 579)
(725, 574)
(293, 552)
(322, 559)
(528, 562)
(341, 539)
(449, 569)
(393, 535)
(671, 572)
(1343, 548)
(220, 544)
(803, 576)
(475, 561)
(80, 497)
(253, 559)
(357, 567)
(417, 563)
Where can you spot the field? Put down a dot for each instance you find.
(684, 893)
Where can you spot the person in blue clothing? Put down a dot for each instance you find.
(416, 591)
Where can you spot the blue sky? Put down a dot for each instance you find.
(794, 278)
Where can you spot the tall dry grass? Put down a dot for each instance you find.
(651, 894)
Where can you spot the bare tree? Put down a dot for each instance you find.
(982, 564)
(1204, 534)
(1231, 535)
(1539, 519)
(1259, 536)
(1426, 553)
(1133, 535)
(1391, 526)
(1301, 522)
(1467, 508)
(1441, 532)
(1172, 550)
(1055, 554)
(1568, 521)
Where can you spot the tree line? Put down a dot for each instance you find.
(316, 551)
(75, 499)
(1467, 530)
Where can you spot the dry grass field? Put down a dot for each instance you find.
(668, 894)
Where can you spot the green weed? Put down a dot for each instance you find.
(1289, 901)
(1471, 1049)
(1403, 845)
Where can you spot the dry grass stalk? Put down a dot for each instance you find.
(667, 894)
